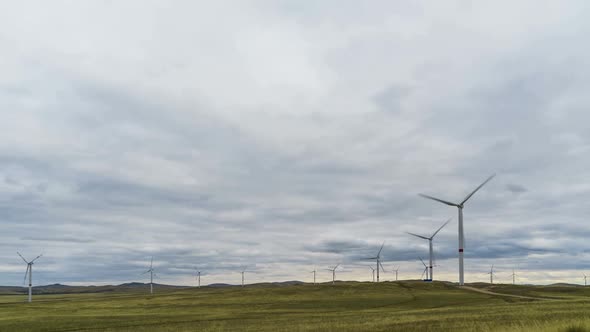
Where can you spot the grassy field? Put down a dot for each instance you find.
(349, 306)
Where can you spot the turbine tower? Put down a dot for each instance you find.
(491, 273)
(396, 270)
(425, 269)
(29, 272)
(373, 271)
(584, 281)
(151, 272)
(378, 260)
(198, 277)
(430, 244)
(460, 206)
(313, 275)
(334, 272)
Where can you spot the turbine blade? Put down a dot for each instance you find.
(476, 189)
(21, 256)
(379, 253)
(26, 272)
(423, 273)
(336, 266)
(382, 269)
(36, 258)
(422, 261)
(420, 236)
(151, 262)
(438, 200)
(441, 227)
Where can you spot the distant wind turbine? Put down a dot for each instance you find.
(313, 275)
(198, 277)
(513, 277)
(29, 271)
(584, 281)
(151, 272)
(334, 272)
(459, 206)
(373, 271)
(425, 268)
(242, 272)
(491, 273)
(378, 261)
(396, 270)
(430, 244)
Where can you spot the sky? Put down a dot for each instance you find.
(286, 136)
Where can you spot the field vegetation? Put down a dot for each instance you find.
(345, 306)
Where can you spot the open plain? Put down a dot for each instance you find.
(345, 306)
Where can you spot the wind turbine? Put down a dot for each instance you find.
(584, 281)
(198, 277)
(334, 272)
(242, 272)
(460, 206)
(430, 244)
(396, 270)
(373, 271)
(313, 275)
(425, 269)
(513, 277)
(29, 271)
(151, 272)
(378, 260)
(491, 273)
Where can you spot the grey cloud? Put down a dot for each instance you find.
(57, 239)
(390, 99)
(515, 188)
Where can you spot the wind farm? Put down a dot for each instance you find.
(294, 166)
(423, 290)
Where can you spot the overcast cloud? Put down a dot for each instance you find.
(291, 135)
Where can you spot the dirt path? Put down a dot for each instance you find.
(483, 291)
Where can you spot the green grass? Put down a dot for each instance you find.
(350, 306)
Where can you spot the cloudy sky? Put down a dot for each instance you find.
(291, 135)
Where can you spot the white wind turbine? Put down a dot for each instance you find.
(460, 206)
(584, 281)
(513, 277)
(378, 260)
(396, 270)
(333, 272)
(373, 271)
(430, 245)
(425, 269)
(29, 271)
(313, 275)
(151, 272)
(491, 273)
